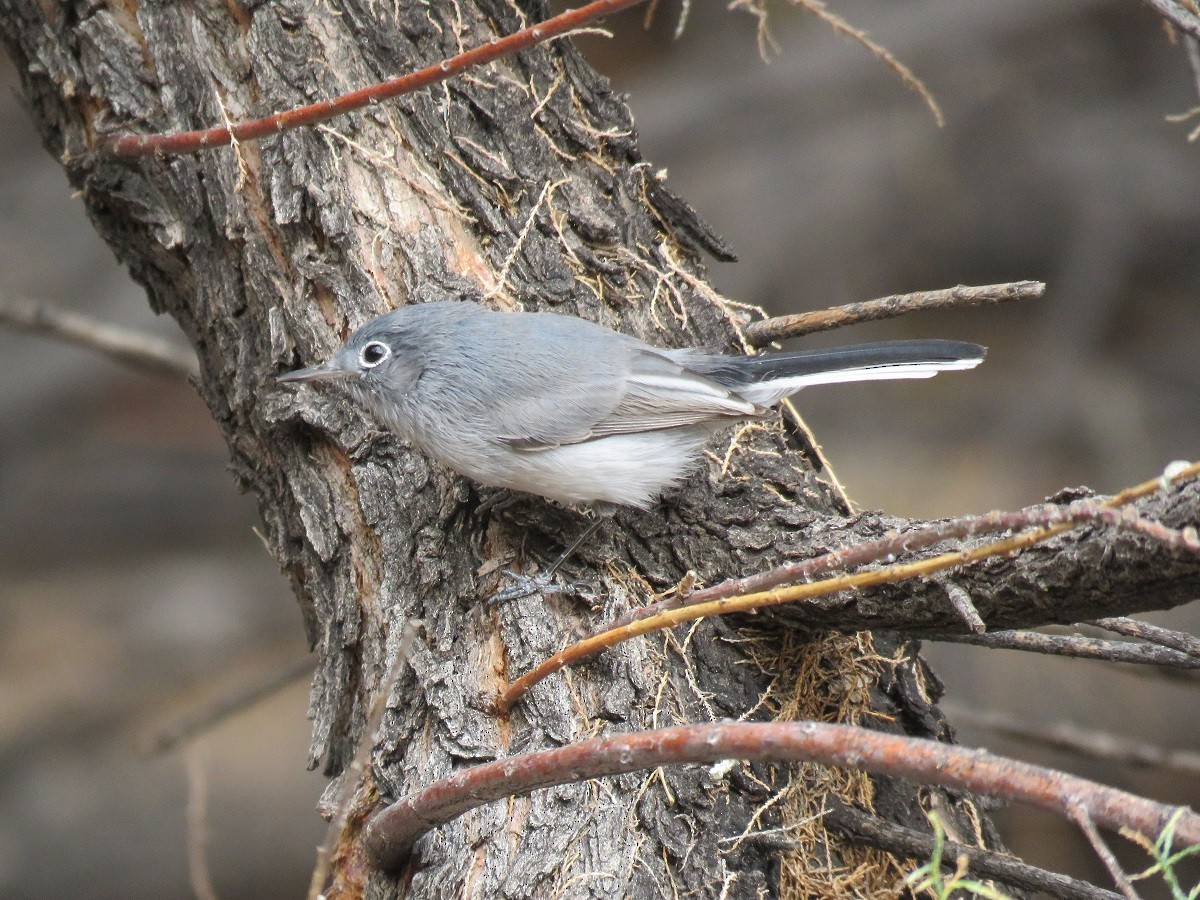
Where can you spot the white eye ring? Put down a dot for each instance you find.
(373, 354)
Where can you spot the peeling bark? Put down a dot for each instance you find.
(522, 179)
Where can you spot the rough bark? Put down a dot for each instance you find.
(525, 173)
(1074, 577)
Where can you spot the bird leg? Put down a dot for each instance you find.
(525, 586)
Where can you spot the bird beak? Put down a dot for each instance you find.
(324, 372)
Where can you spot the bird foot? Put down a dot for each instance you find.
(520, 586)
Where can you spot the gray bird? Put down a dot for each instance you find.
(563, 408)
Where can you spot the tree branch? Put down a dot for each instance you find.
(128, 347)
(780, 328)
(392, 831)
(1076, 646)
(197, 721)
(1079, 814)
(839, 602)
(1153, 634)
(899, 841)
(134, 145)
(1080, 741)
(1049, 519)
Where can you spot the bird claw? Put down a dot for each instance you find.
(497, 501)
(527, 586)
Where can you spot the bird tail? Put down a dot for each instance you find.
(769, 378)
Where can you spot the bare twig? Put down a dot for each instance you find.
(1177, 15)
(132, 145)
(353, 773)
(840, 25)
(1081, 817)
(208, 716)
(1080, 741)
(390, 834)
(961, 601)
(1191, 46)
(132, 348)
(1075, 646)
(1154, 634)
(782, 327)
(864, 828)
(197, 828)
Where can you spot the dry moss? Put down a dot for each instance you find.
(828, 680)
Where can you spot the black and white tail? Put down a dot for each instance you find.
(769, 378)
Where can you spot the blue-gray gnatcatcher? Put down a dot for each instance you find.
(560, 407)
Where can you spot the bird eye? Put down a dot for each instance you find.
(373, 354)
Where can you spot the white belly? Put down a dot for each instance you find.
(628, 469)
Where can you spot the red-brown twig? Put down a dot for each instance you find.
(390, 834)
(133, 145)
(782, 327)
(1052, 520)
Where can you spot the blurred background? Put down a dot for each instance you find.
(133, 587)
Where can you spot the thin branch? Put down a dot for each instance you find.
(197, 829)
(353, 773)
(1080, 816)
(872, 831)
(840, 25)
(133, 145)
(1076, 646)
(132, 348)
(1191, 46)
(1080, 741)
(781, 327)
(210, 715)
(1153, 634)
(390, 834)
(1177, 15)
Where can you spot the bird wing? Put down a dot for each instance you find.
(652, 393)
(661, 393)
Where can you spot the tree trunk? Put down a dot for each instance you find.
(521, 181)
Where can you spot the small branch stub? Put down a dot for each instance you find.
(783, 327)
